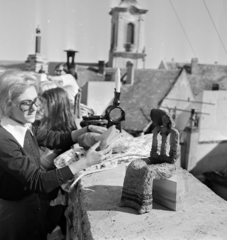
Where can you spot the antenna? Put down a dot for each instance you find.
(183, 110)
(182, 100)
(194, 118)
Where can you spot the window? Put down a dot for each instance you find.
(130, 33)
(113, 37)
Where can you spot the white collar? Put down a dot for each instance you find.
(15, 128)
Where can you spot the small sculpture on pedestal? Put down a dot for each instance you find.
(138, 182)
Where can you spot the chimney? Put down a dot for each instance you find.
(189, 148)
(215, 86)
(71, 62)
(130, 73)
(71, 56)
(194, 120)
(190, 141)
(194, 65)
(101, 67)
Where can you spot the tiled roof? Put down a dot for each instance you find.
(176, 65)
(149, 88)
(206, 75)
(203, 76)
(86, 74)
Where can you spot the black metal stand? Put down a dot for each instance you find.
(116, 103)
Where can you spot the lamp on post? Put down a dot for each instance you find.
(114, 113)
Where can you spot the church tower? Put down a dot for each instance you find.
(37, 62)
(127, 35)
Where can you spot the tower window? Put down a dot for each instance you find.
(113, 37)
(130, 33)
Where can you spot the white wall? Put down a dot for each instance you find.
(99, 95)
(180, 97)
(213, 127)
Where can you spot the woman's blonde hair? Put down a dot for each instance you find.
(13, 83)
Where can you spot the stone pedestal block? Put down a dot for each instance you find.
(169, 192)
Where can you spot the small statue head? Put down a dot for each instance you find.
(167, 121)
(156, 116)
(160, 118)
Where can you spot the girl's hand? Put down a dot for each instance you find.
(95, 157)
(88, 139)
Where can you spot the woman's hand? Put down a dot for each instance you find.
(95, 157)
(97, 129)
(92, 157)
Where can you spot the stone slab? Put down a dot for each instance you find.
(97, 214)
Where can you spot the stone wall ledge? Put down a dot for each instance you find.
(97, 215)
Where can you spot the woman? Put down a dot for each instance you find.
(25, 213)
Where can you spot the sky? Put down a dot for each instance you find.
(174, 29)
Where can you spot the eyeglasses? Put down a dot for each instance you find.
(26, 105)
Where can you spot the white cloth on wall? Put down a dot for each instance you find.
(41, 77)
(69, 80)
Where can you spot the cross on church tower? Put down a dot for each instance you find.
(127, 35)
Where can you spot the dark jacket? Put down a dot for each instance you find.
(25, 187)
